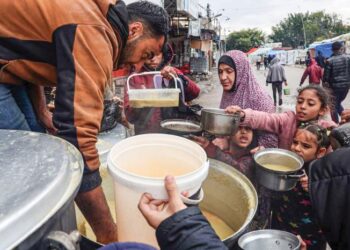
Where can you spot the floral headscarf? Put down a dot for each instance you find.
(247, 92)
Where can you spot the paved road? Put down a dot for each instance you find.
(211, 90)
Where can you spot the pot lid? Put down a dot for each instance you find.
(39, 174)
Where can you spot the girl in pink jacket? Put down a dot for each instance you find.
(313, 103)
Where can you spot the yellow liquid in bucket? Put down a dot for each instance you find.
(155, 162)
(278, 167)
(220, 227)
(160, 170)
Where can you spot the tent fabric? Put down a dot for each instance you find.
(325, 49)
(251, 51)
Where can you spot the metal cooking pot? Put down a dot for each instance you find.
(217, 122)
(276, 180)
(41, 175)
(269, 239)
(181, 127)
(228, 195)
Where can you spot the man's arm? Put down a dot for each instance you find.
(37, 97)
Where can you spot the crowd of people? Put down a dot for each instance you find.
(77, 51)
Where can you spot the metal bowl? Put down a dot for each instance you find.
(278, 180)
(217, 122)
(269, 239)
(181, 127)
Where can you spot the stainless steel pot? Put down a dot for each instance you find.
(217, 122)
(274, 179)
(269, 239)
(228, 195)
(41, 175)
(181, 127)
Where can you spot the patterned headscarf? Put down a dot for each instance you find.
(247, 92)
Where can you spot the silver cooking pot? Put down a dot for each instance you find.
(278, 180)
(269, 239)
(218, 122)
(181, 127)
(40, 176)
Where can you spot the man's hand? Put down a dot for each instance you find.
(156, 211)
(345, 116)
(45, 117)
(286, 84)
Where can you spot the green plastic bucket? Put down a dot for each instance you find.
(286, 91)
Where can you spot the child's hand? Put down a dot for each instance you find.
(257, 149)
(200, 140)
(305, 183)
(303, 245)
(345, 116)
(234, 109)
(221, 143)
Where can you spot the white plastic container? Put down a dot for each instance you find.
(157, 97)
(139, 164)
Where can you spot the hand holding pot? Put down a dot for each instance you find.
(167, 71)
(200, 140)
(234, 110)
(221, 143)
(155, 211)
(345, 116)
(305, 183)
(257, 149)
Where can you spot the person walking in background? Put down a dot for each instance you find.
(276, 76)
(314, 72)
(258, 63)
(337, 77)
(320, 59)
(266, 62)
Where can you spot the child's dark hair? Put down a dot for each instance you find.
(321, 133)
(323, 94)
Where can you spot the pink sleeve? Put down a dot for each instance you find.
(270, 122)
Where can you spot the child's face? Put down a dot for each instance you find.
(305, 145)
(243, 137)
(308, 106)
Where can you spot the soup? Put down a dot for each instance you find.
(278, 167)
(220, 227)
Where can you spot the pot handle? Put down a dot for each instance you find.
(296, 176)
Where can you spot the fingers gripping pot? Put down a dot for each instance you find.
(278, 169)
(218, 122)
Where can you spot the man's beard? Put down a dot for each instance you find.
(127, 52)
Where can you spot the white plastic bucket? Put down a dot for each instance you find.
(139, 164)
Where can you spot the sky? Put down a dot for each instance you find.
(263, 14)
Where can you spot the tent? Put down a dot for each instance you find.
(325, 49)
(251, 51)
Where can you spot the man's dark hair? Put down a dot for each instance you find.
(154, 17)
(337, 46)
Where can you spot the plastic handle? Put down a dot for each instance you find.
(296, 176)
(191, 201)
(149, 73)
